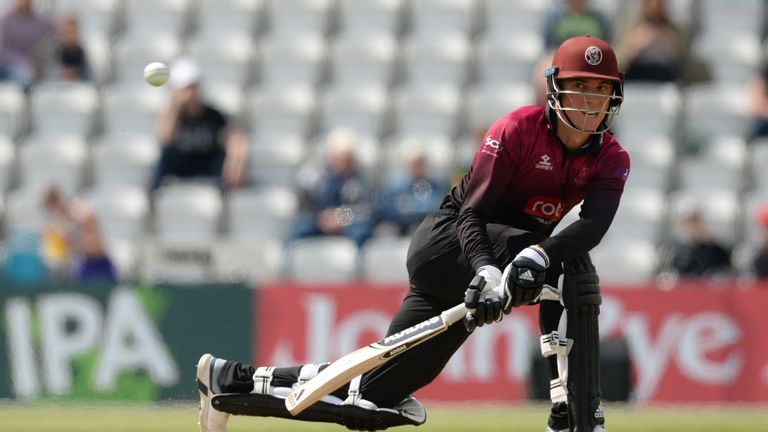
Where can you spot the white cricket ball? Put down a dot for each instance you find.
(156, 74)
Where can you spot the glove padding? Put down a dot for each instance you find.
(524, 277)
(481, 300)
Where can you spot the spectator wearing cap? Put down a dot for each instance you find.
(335, 199)
(698, 254)
(760, 259)
(408, 195)
(26, 38)
(198, 141)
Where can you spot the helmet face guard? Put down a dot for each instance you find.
(584, 57)
(608, 110)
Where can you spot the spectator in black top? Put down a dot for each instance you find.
(760, 259)
(758, 103)
(651, 49)
(198, 140)
(698, 254)
(71, 58)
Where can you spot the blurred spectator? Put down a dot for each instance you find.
(758, 103)
(198, 141)
(72, 62)
(538, 80)
(408, 196)
(698, 254)
(651, 49)
(72, 241)
(25, 39)
(335, 199)
(463, 159)
(760, 259)
(573, 18)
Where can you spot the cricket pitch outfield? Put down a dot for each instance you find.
(178, 417)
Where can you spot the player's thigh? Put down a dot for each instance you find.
(415, 308)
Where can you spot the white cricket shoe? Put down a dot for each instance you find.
(210, 419)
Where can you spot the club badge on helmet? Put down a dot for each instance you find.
(584, 57)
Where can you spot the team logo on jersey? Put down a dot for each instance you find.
(491, 146)
(593, 55)
(544, 163)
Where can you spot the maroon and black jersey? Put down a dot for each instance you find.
(523, 176)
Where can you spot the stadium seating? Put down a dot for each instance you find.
(12, 105)
(64, 108)
(370, 58)
(273, 160)
(373, 16)
(403, 74)
(124, 159)
(383, 260)
(322, 259)
(364, 108)
(261, 213)
(186, 211)
(7, 162)
(275, 110)
(53, 159)
(427, 108)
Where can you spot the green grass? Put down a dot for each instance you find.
(444, 418)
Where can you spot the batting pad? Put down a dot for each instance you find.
(351, 416)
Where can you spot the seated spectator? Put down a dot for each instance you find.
(335, 199)
(25, 41)
(72, 62)
(72, 242)
(573, 18)
(651, 49)
(538, 80)
(698, 254)
(198, 141)
(408, 196)
(758, 103)
(760, 258)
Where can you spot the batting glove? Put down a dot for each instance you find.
(482, 301)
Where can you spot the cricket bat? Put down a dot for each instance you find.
(364, 359)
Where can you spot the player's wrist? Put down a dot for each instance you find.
(536, 254)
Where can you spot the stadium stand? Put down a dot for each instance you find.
(397, 72)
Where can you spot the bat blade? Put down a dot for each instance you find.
(366, 358)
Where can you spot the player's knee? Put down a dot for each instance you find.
(581, 285)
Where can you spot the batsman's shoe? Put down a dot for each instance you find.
(598, 428)
(210, 419)
(558, 418)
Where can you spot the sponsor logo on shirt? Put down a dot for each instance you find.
(491, 146)
(544, 163)
(545, 209)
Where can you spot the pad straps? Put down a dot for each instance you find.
(354, 391)
(262, 379)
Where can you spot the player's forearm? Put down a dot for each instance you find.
(474, 239)
(581, 236)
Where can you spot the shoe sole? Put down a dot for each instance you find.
(204, 389)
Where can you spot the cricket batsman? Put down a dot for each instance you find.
(493, 229)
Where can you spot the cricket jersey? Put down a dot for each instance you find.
(523, 176)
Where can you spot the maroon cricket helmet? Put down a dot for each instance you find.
(586, 57)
